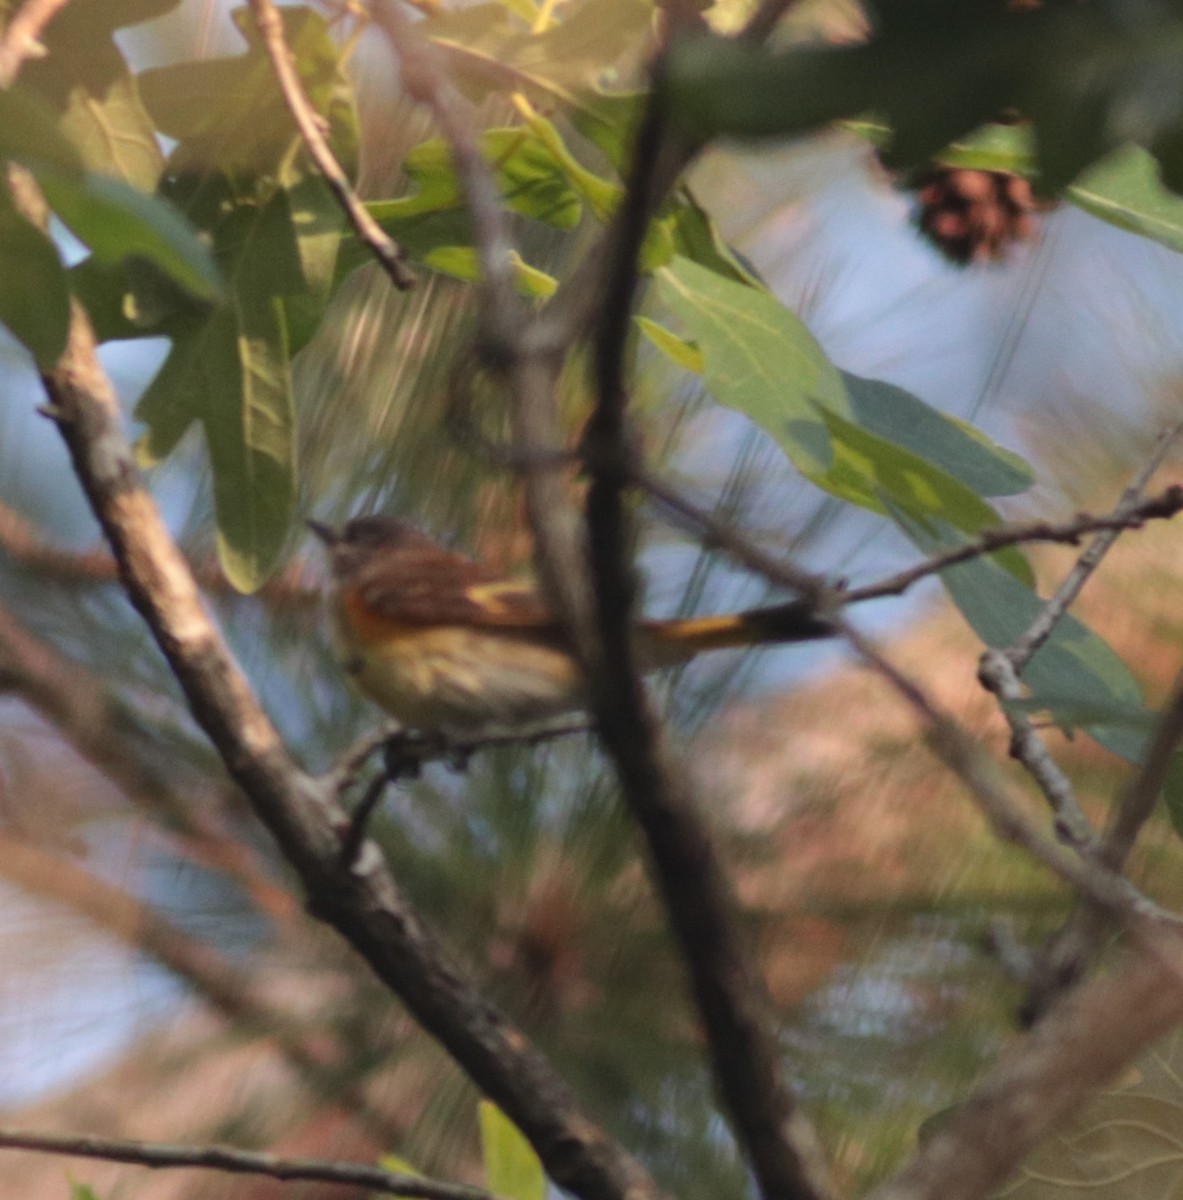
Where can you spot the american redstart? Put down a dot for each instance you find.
(445, 645)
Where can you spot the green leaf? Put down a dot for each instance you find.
(512, 1169)
(532, 175)
(1074, 667)
(1126, 191)
(957, 448)
(34, 298)
(317, 222)
(29, 133)
(576, 180)
(462, 262)
(116, 222)
(229, 116)
(85, 78)
(491, 51)
(229, 370)
(759, 359)
(885, 477)
(231, 373)
(697, 238)
(679, 351)
(82, 1191)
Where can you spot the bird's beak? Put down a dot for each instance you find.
(326, 533)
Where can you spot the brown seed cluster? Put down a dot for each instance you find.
(976, 216)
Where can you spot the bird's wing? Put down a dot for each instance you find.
(429, 585)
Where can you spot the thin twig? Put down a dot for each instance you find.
(719, 533)
(21, 542)
(311, 126)
(158, 1155)
(961, 754)
(414, 748)
(21, 39)
(999, 676)
(745, 1054)
(1023, 649)
(1128, 515)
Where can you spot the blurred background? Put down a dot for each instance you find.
(159, 977)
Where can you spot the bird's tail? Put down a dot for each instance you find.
(671, 642)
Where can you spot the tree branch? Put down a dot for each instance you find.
(21, 542)
(21, 39)
(239, 1162)
(312, 126)
(1072, 1053)
(363, 902)
(1091, 878)
(729, 993)
(1128, 515)
(1023, 650)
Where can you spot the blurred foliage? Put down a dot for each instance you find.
(316, 387)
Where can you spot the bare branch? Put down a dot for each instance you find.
(22, 543)
(745, 1055)
(158, 1155)
(719, 533)
(1023, 650)
(21, 39)
(961, 754)
(312, 129)
(362, 901)
(1075, 1050)
(998, 675)
(1126, 516)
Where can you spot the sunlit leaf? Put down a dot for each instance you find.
(86, 80)
(462, 262)
(759, 358)
(117, 222)
(679, 351)
(883, 476)
(1125, 190)
(492, 51)
(512, 1169)
(228, 114)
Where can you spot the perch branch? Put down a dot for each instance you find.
(158, 1155)
(363, 902)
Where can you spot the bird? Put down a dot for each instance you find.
(448, 646)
